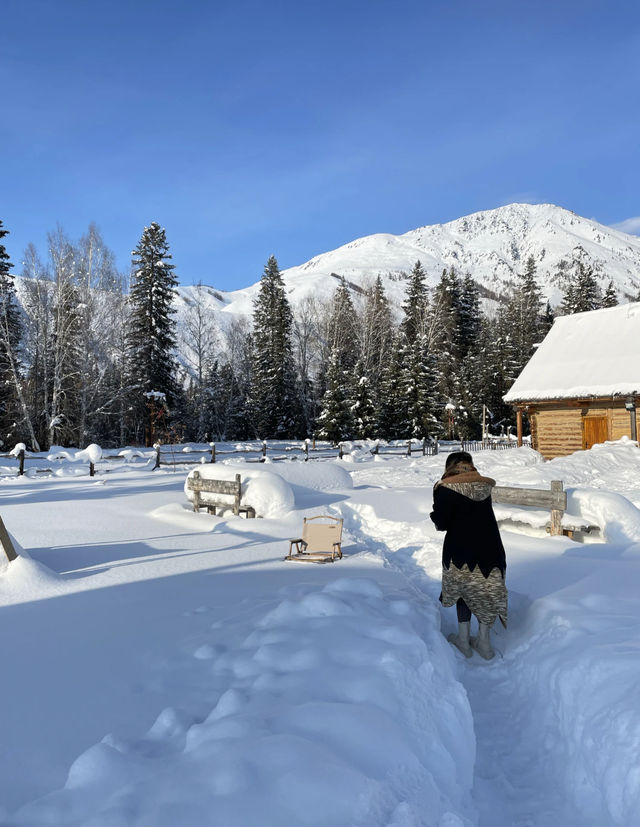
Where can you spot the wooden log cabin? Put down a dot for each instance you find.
(582, 385)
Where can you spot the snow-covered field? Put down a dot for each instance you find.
(165, 668)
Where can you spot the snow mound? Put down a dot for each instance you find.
(371, 729)
(574, 668)
(266, 491)
(25, 579)
(618, 518)
(321, 476)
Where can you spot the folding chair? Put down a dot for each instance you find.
(321, 540)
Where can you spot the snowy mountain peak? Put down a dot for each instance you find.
(491, 245)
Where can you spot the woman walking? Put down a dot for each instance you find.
(473, 558)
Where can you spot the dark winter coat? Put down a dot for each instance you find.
(462, 507)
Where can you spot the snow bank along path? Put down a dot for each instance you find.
(322, 695)
(556, 718)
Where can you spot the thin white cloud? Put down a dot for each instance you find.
(629, 225)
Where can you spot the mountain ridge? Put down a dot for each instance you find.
(490, 245)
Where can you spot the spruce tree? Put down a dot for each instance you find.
(152, 333)
(498, 366)
(583, 292)
(392, 414)
(610, 298)
(417, 390)
(335, 421)
(11, 414)
(275, 395)
(447, 342)
(414, 305)
(343, 331)
(363, 410)
(546, 320)
(522, 314)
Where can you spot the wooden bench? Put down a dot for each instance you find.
(555, 499)
(231, 488)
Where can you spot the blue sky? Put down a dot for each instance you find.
(288, 128)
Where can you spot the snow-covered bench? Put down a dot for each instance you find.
(554, 500)
(225, 488)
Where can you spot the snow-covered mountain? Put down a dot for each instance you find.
(492, 246)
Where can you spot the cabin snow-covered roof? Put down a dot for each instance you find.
(594, 354)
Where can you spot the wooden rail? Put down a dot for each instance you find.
(555, 499)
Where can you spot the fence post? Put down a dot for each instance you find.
(21, 458)
(92, 469)
(306, 450)
(157, 465)
(340, 451)
(409, 448)
(213, 452)
(6, 544)
(558, 508)
(424, 447)
(264, 450)
(436, 449)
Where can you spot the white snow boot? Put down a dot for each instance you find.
(482, 643)
(461, 640)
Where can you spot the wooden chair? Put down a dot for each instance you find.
(321, 540)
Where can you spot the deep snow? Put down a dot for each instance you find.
(164, 667)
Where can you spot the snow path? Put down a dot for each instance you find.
(520, 779)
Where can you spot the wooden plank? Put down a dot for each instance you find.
(528, 496)
(6, 544)
(212, 486)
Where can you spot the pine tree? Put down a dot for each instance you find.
(469, 317)
(335, 421)
(522, 315)
(414, 305)
(446, 343)
(582, 293)
(610, 298)
(392, 414)
(363, 410)
(417, 389)
(152, 335)
(343, 328)
(12, 406)
(275, 397)
(497, 366)
(546, 320)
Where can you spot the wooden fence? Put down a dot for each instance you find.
(487, 444)
(167, 455)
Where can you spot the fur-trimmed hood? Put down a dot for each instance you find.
(470, 484)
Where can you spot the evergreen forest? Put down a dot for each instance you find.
(88, 354)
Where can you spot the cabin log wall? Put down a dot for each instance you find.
(557, 427)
